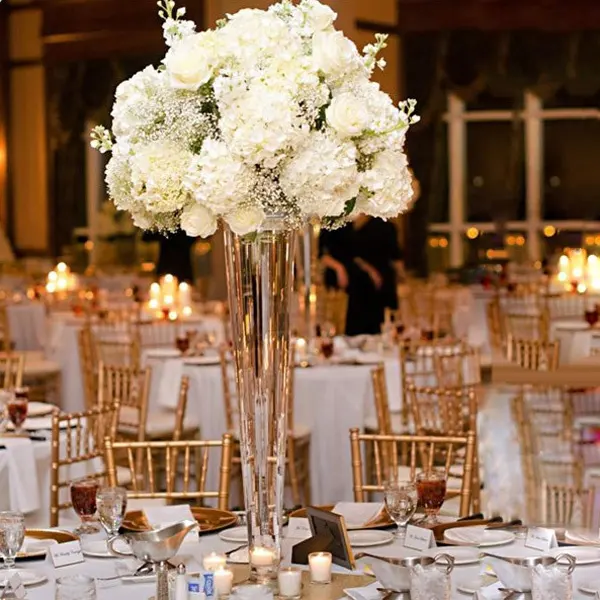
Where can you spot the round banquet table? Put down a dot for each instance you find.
(191, 553)
(576, 339)
(328, 399)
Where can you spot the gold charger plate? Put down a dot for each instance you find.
(209, 519)
(382, 521)
(59, 536)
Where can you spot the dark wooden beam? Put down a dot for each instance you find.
(493, 15)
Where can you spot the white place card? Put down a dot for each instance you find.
(298, 528)
(15, 584)
(65, 554)
(161, 516)
(419, 538)
(540, 538)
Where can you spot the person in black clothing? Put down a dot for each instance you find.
(363, 258)
(175, 254)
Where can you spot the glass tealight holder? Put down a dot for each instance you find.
(290, 583)
(320, 567)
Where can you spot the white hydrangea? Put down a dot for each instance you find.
(157, 174)
(322, 176)
(218, 179)
(386, 188)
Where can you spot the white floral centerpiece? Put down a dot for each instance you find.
(273, 112)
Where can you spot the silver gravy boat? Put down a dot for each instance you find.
(155, 546)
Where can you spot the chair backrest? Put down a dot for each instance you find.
(424, 452)
(78, 438)
(131, 387)
(533, 354)
(527, 326)
(88, 364)
(157, 334)
(382, 407)
(178, 487)
(567, 505)
(11, 367)
(5, 334)
(181, 409)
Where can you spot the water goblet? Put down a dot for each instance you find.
(401, 503)
(12, 534)
(431, 489)
(83, 498)
(591, 316)
(182, 343)
(75, 587)
(16, 407)
(111, 503)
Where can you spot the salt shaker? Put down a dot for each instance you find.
(180, 590)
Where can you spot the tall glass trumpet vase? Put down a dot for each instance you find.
(259, 276)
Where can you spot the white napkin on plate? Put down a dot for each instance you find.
(23, 481)
(472, 536)
(582, 536)
(163, 516)
(490, 592)
(368, 592)
(358, 514)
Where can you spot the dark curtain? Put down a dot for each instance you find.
(472, 64)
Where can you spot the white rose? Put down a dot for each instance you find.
(245, 220)
(347, 115)
(191, 63)
(318, 16)
(198, 221)
(333, 54)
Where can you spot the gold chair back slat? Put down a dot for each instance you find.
(145, 485)
(567, 505)
(157, 334)
(527, 326)
(532, 354)
(11, 367)
(78, 438)
(423, 452)
(6, 342)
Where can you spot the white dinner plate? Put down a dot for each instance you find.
(162, 353)
(478, 536)
(28, 577)
(584, 555)
(463, 555)
(590, 587)
(99, 549)
(572, 326)
(39, 409)
(582, 536)
(235, 534)
(472, 586)
(369, 537)
(202, 360)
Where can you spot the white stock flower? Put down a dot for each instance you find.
(386, 188)
(347, 115)
(318, 16)
(218, 179)
(334, 54)
(322, 176)
(198, 221)
(246, 219)
(192, 61)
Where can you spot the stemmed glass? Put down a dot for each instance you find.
(17, 407)
(431, 488)
(111, 503)
(83, 497)
(401, 503)
(12, 534)
(591, 316)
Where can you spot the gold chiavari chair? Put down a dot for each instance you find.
(125, 352)
(567, 505)
(88, 366)
(194, 454)
(5, 335)
(424, 453)
(564, 306)
(527, 326)
(78, 439)
(533, 354)
(11, 367)
(157, 334)
(458, 367)
(385, 421)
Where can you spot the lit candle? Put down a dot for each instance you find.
(185, 294)
(186, 311)
(214, 561)
(172, 315)
(61, 267)
(168, 300)
(169, 285)
(153, 304)
(262, 557)
(301, 348)
(223, 582)
(320, 567)
(290, 582)
(155, 291)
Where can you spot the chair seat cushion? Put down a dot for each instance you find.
(37, 365)
(159, 423)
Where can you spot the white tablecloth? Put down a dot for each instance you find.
(470, 319)
(191, 554)
(328, 399)
(27, 322)
(576, 339)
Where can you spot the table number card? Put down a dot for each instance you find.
(298, 528)
(419, 538)
(540, 538)
(65, 554)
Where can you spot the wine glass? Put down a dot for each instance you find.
(111, 503)
(431, 489)
(182, 342)
(83, 497)
(401, 503)
(591, 316)
(12, 534)
(16, 407)
(327, 347)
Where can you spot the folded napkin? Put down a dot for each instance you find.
(582, 536)
(490, 592)
(23, 481)
(472, 536)
(368, 592)
(163, 516)
(358, 514)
